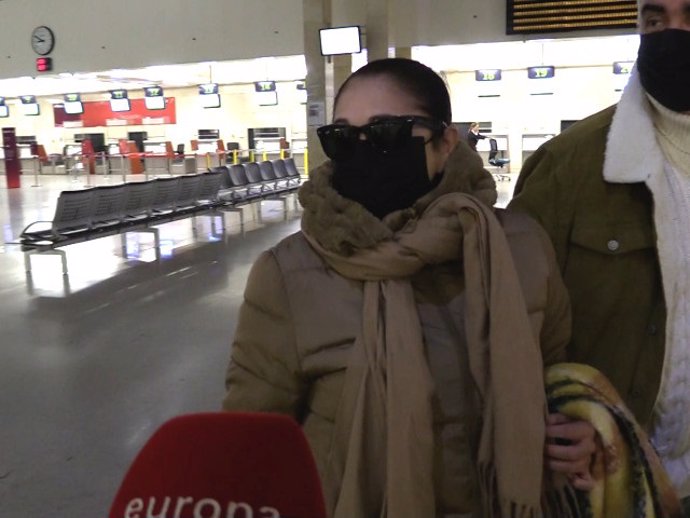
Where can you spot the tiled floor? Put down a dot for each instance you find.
(92, 363)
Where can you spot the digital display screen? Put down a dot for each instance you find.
(340, 40)
(622, 67)
(120, 105)
(208, 89)
(265, 86)
(31, 109)
(73, 107)
(153, 91)
(538, 16)
(210, 100)
(487, 75)
(118, 94)
(154, 103)
(266, 98)
(4, 111)
(302, 92)
(71, 98)
(541, 72)
(28, 99)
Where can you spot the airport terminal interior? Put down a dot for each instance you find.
(138, 329)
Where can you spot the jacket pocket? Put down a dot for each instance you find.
(614, 240)
(609, 270)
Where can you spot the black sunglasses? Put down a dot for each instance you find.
(385, 135)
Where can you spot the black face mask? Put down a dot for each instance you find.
(664, 64)
(384, 182)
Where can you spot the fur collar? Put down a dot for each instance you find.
(342, 226)
(632, 152)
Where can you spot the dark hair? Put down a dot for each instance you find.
(418, 80)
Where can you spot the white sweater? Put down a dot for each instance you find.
(671, 190)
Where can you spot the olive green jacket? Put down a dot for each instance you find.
(605, 241)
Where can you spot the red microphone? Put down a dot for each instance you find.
(223, 465)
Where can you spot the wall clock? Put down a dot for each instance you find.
(42, 40)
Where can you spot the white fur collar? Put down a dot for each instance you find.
(632, 151)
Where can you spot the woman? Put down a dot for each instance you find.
(394, 326)
(473, 135)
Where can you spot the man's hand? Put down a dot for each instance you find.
(570, 446)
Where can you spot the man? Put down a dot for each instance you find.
(613, 192)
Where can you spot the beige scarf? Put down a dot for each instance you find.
(385, 411)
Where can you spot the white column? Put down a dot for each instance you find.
(316, 16)
(378, 30)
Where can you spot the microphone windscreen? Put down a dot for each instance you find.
(223, 465)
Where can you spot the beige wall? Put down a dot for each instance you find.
(238, 112)
(578, 92)
(99, 35)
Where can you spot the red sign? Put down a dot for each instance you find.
(44, 64)
(98, 113)
(13, 166)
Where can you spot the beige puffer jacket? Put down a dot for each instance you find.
(300, 319)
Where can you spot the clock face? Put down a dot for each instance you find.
(42, 40)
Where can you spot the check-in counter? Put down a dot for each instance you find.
(156, 160)
(531, 142)
(267, 148)
(74, 161)
(207, 155)
(71, 150)
(207, 146)
(298, 152)
(29, 162)
(117, 162)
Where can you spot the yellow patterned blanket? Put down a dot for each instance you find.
(630, 481)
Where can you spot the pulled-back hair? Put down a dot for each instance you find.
(412, 77)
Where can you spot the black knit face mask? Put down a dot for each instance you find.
(384, 182)
(664, 65)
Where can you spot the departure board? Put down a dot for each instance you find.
(539, 16)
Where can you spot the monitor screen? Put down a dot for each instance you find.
(210, 100)
(487, 74)
(73, 107)
(266, 98)
(154, 103)
(208, 134)
(120, 105)
(542, 72)
(340, 40)
(4, 111)
(31, 109)
(265, 86)
(623, 67)
(208, 88)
